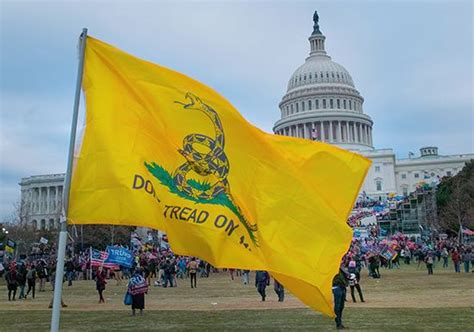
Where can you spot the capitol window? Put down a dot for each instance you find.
(377, 169)
(350, 104)
(331, 103)
(304, 78)
(344, 103)
(404, 176)
(448, 173)
(291, 108)
(337, 75)
(327, 75)
(310, 77)
(324, 103)
(378, 185)
(322, 75)
(297, 107)
(338, 103)
(417, 175)
(302, 106)
(309, 104)
(317, 103)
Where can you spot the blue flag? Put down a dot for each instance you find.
(119, 256)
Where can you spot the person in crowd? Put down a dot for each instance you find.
(339, 284)
(354, 283)
(70, 271)
(12, 283)
(100, 282)
(118, 275)
(429, 260)
(31, 280)
(262, 280)
(181, 266)
(245, 276)
(53, 281)
(168, 269)
(231, 272)
(193, 267)
(208, 269)
(466, 259)
(42, 273)
(138, 287)
(279, 290)
(456, 258)
(21, 280)
(445, 256)
(202, 269)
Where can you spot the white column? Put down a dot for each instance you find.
(321, 125)
(307, 131)
(339, 133)
(331, 136)
(370, 135)
(48, 199)
(40, 199)
(350, 132)
(358, 133)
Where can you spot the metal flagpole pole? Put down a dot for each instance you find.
(67, 183)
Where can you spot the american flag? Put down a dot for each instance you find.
(98, 259)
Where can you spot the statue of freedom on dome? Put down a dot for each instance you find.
(316, 25)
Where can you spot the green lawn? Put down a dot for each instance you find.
(368, 319)
(406, 299)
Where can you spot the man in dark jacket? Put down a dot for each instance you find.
(168, 269)
(262, 280)
(12, 284)
(339, 284)
(279, 290)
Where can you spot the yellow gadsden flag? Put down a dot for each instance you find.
(162, 150)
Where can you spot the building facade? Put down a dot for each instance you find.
(41, 200)
(322, 103)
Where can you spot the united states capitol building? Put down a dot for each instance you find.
(321, 103)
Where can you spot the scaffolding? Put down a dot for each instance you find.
(416, 215)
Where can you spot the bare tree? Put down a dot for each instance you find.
(456, 200)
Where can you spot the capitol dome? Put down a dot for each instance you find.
(319, 70)
(322, 103)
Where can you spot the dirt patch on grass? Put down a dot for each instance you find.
(407, 287)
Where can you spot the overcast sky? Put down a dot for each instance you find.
(411, 61)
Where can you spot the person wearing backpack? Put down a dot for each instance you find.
(21, 280)
(31, 280)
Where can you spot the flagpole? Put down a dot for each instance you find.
(67, 184)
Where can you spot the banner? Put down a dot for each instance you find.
(98, 259)
(164, 151)
(120, 256)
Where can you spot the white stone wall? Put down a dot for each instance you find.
(382, 170)
(41, 200)
(410, 172)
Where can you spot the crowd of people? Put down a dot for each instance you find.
(154, 266)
